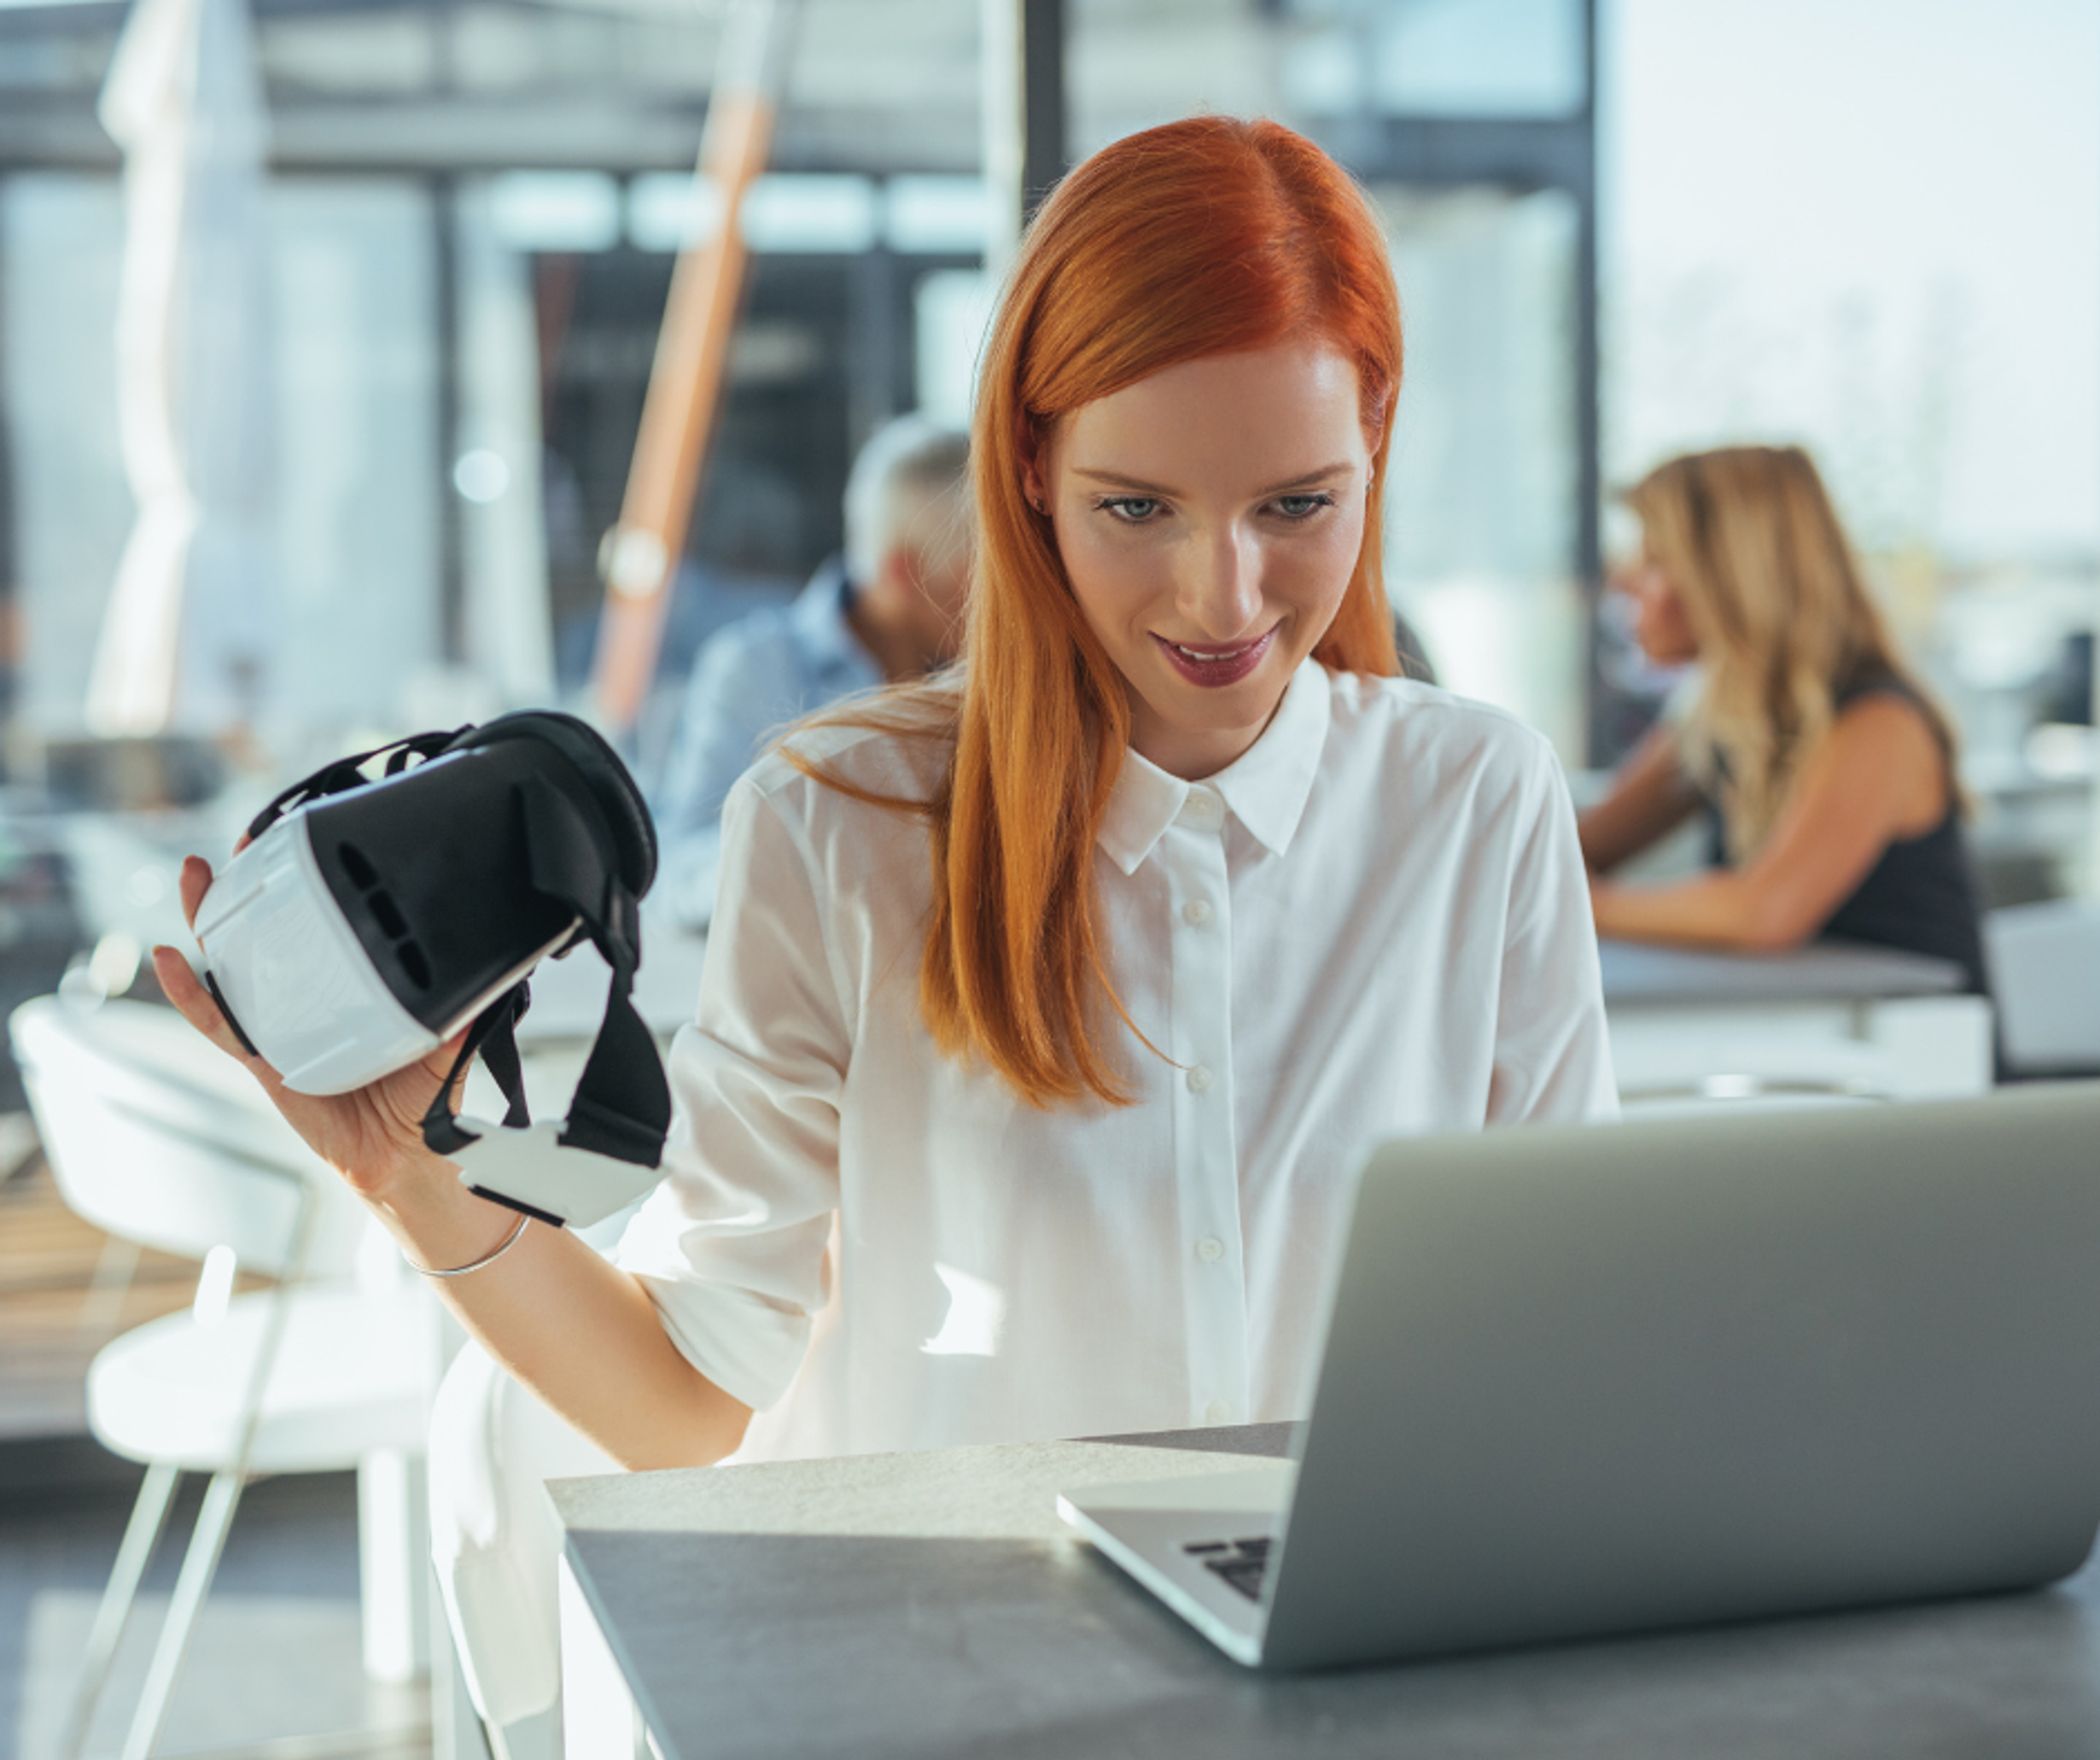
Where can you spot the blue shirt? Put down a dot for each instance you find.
(748, 681)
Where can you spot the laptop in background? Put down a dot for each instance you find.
(1589, 1381)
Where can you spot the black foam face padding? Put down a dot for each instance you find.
(604, 777)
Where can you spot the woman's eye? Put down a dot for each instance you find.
(1302, 506)
(1131, 509)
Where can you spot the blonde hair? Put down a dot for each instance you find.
(1780, 609)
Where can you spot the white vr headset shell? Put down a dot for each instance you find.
(291, 970)
(371, 920)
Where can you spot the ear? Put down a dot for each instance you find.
(1377, 403)
(1031, 447)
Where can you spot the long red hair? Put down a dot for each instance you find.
(1207, 237)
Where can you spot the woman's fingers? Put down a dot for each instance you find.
(193, 1002)
(197, 1005)
(195, 883)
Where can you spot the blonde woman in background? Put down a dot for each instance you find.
(1825, 773)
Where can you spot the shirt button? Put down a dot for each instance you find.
(1199, 1080)
(1210, 1250)
(1218, 1412)
(1197, 910)
(1204, 807)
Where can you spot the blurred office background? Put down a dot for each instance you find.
(444, 233)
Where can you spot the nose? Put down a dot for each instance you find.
(1220, 590)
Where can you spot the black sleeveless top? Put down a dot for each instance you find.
(1921, 895)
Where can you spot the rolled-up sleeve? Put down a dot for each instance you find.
(731, 1246)
(1553, 1053)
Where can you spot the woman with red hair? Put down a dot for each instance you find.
(1051, 1006)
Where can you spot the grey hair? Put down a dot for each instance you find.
(909, 487)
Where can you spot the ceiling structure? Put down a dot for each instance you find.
(884, 85)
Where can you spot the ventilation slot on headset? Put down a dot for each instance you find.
(388, 916)
(385, 913)
(361, 875)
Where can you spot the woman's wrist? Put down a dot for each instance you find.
(437, 1220)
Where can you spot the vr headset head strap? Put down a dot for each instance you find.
(622, 1105)
(345, 773)
(494, 1037)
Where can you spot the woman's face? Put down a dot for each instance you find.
(1661, 624)
(1209, 519)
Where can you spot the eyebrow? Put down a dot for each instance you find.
(1137, 485)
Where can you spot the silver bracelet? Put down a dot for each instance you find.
(510, 1240)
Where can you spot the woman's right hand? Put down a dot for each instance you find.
(372, 1136)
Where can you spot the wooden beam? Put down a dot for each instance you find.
(687, 378)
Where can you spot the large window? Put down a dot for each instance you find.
(348, 607)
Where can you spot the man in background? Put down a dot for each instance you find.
(889, 611)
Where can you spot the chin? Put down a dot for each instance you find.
(1242, 708)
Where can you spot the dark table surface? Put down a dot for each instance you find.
(1827, 971)
(881, 1644)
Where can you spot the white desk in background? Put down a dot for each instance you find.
(1893, 1025)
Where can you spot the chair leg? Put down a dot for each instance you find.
(142, 1535)
(103, 1306)
(207, 1541)
(393, 1564)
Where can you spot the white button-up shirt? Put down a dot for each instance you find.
(1374, 923)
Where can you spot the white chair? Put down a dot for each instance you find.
(151, 1134)
(494, 1544)
(2045, 961)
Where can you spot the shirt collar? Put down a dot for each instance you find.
(1265, 788)
(819, 617)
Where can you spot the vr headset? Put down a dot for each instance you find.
(367, 922)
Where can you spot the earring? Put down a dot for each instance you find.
(1040, 507)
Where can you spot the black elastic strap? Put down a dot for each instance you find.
(622, 1106)
(345, 773)
(499, 1055)
(520, 1207)
(494, 1038)
(226, 1008)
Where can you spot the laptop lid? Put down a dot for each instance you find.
(1587, 1381)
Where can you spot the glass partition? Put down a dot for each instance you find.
(1481, 507)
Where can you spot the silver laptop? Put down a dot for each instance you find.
(1584, 1381)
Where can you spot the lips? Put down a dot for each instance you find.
(1215, 667)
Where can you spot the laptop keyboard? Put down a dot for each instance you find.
(1239, 1562)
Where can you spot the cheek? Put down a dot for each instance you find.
(1322, 564)
(1110, 580)
(1663, 625)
